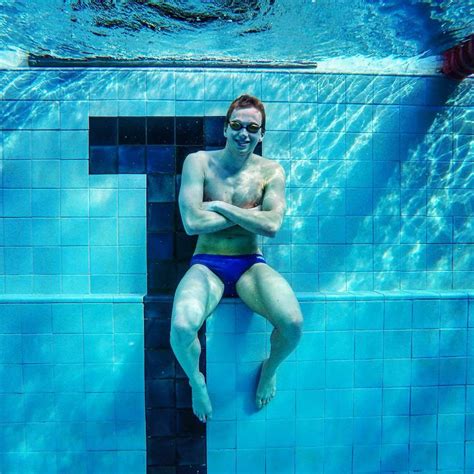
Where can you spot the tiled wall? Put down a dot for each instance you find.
(72, 385)
(379, 383)
(380, 177)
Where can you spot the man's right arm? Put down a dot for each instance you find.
(196, 219)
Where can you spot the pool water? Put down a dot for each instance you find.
(377, 243)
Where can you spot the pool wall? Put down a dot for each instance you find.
(380, 200)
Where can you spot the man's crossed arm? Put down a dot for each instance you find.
(207, 217)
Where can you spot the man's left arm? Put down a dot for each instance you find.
(264, 221)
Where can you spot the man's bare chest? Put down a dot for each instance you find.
(243, 190)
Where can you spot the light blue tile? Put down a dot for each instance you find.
(12, 378)
(278, 117)
(338, 431)
(218, 86)
(331, 230)
(450, 456)
(367, 431)
(75, 284)
(250, 461)
(37, 349)
(74, 231)
(452, 371)
(359, 118)
(74, 260)
(132, 203)
(103, 230)
(131, 461)
(74, 115)
(160, 84)
(426, 343)
(221, 377)
(100, 407)
(17, 144)
(75, 174)
(303, 117)
(189, 86)
(425, 372)
(386, 147)
(18, 233)
(358, 148)
(369, 315)
(280, 460)
(426, 313)
(397, 344)
(39, 407)
(366, 458)
(45, 202)
(68, 348)
(394, 457)
(98, 348)
(74, 145)
(46, 116)
(331, 117)
(221, 461)
(339, 374)
(47, 260)
(13, 439)
(368, 344)
(251, 347)
(452, 399)
(310, 375)
(69, 377)
(47, 284)
(128, 318)
(338, 403)
(250, 434)
(97, 318)
(130, 407)
(103, 260)
(424, 400)
(359, 89)
(17, 203)
(359, 201)
(422, 456)
(130, 435)
(99, 378)
(331, 88)
(104, 284)
(339, 345)
(100, 436)
(45, 145)
(331, 258)
(12, 408)
(453, 342)
(386, 119)
(396, 373)
(46, 231)
(276, 86)
(70, 408)
(74, 203)
(16, 174)
(247, 83)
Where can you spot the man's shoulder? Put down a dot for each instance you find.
(269, 165)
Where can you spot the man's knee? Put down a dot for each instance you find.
(292, 328)
(185, 324)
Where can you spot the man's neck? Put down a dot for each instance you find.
(234, 162)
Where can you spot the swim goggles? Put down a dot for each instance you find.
(251, 127)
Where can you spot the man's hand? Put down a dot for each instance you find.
(218, 206)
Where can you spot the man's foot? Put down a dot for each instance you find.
(202, 407)
(266, 388)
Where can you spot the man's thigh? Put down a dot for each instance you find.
(267, 293)
(197, 295)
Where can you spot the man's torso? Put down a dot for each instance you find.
(244, 189)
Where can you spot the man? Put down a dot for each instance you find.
(227, 197)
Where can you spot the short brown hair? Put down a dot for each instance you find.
(247, 101)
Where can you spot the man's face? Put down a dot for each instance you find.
(244, 141)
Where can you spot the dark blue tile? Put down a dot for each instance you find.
(103, 160)
(162, 277)
(161, 451)
(181, 153)
(132, 130)
(185, 245)
(161, 188)
(157, 335)
(160, 130)
(187, 424)
(161, 159)
(160, 393)
(214, 132)
(103, 131)
(160, 216)
(131, 159)
(161, 422)
(183, 394)
(160, 246)
(191, 450)
(189, 131)
(160, 363)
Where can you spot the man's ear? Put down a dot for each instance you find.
(225, 130)
(261, 137)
